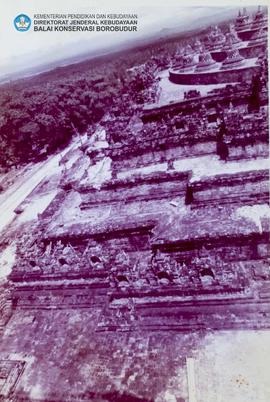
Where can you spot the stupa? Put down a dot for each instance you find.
(233, 60)
(205, 62)
(216, 39)
(188, 60)
(232, 39)
(246, 26)
(198, 46)
(243, 22)
(258, 38)
(179, 54)
(260, 19)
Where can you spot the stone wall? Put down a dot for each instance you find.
(215, 77)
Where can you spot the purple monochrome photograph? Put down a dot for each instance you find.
(134, 199)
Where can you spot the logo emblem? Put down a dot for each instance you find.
(22, 22)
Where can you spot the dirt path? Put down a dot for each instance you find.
(16, 194)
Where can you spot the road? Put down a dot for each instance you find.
(16, 194)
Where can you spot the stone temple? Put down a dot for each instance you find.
(146, 275)
(230, 50)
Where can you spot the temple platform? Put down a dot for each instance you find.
(216, 75)
(246, 51)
